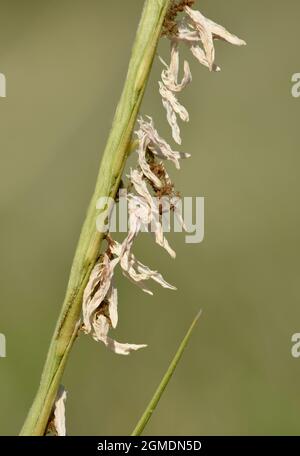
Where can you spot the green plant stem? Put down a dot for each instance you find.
(107, 184)
(163, 384)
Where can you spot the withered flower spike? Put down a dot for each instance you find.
(100, 301)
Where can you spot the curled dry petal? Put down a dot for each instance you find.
(112, 300)
(142, 151)
(138, 272)
(139, 217)
(169, 76)
(99, 319)
(101, 327)
(177, 209)
(173, 108)
(208, 31)
(59, 420)
(199, 54)
(191, 38)
(160, 238)
(157, 145)
(153, 216)
(186, 33)
(140, 186)
(172, 100)
(172, 121)
(97, 288)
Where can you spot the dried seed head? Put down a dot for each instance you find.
(100, 301)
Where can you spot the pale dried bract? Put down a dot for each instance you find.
(59, 420)
(101, 328)
(208, 32)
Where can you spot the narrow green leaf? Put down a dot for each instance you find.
(163, 384)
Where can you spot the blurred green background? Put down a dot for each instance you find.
(65, 62)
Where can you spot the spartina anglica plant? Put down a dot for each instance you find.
(91, 302)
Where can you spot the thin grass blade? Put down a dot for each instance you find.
(164, 383)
